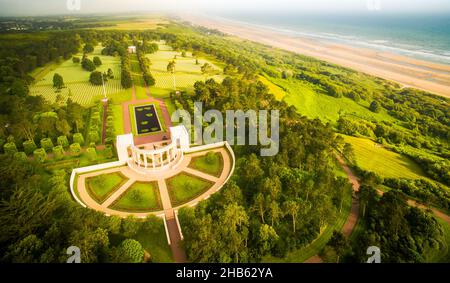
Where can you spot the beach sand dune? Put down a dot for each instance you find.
(408, 72)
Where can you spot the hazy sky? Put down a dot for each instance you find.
(44, 7)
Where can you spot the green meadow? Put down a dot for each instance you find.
(312, 102)
(373, 157)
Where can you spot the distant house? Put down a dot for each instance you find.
(132, 49)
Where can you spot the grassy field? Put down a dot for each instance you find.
(312, 102)
(155, 243)
(273, 88)
(102, 186)
(214, 167)
(76, 79)
(318, 244)
(373, 157)
(140, 197)
(186, 74)
(118, 119)
(184, 187)
(141, 24)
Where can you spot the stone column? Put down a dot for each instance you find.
(145, 160)
(153, 161)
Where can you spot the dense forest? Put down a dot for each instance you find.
(271, 206)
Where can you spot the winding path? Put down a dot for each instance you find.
(352, 219)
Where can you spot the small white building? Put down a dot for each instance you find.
(132, 49)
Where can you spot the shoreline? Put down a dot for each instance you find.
(406, 71)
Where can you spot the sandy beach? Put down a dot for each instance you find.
(409, 72)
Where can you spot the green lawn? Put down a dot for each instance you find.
(155, 242)
(278, 92)
(185, 187)
(302, 254)
(312, 102)
(140, 197)
(118, 119)
(213, 167)
(102, 186)
(373, 157)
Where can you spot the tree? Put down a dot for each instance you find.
(19, 88)
(291, 207)
(171, 69)
(130, 227)
(63, 141)
(267, 238)
(58, 81)
(206, 69)
(88, 48)
(97, 61)
(131, 251)
(91, 154)
(58, 152)
(88, 65)
(96, 78)
(40, 155)
(47, 144)
(27, 250)
(349, 153)
(10, 148)
(93, 244)
(110, 73)
(375, 107)
(75, 149)
(126, 81)
(339, 243)
(29, 146)
(78, 138)
(149, 79)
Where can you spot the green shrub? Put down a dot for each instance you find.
(10, 148)
(58, 151)
(108, 152)
(63, 141)
(210, 157)
(20, 156)
(78, 138)
(47, 144)
(75, 149)
(29, 146)
(40, 155)
(91, 154)
(94, 136)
